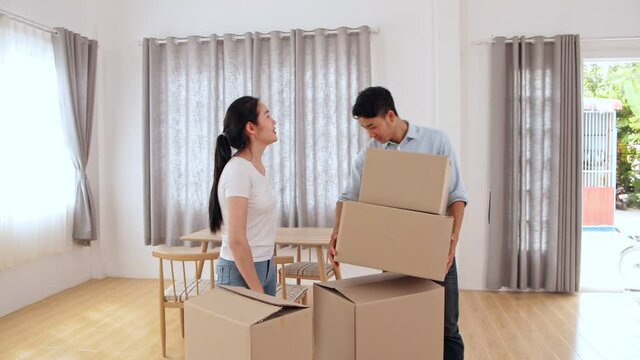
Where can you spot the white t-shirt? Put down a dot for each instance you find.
(241, 178)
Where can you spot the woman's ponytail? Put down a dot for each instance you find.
(222, 157)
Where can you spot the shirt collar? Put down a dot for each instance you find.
(412, 133)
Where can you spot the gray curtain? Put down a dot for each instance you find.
(75, 58)
(189, 85)
(536, 143)
(330, 70)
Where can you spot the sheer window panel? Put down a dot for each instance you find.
(37, 185)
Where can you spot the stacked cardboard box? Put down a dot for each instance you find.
(383, 316)
(398, 226)
(405, 180)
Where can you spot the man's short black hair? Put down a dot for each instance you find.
(372, 102)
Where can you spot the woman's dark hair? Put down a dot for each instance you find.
(239, 113)
(372, 102)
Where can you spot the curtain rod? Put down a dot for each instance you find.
(28, 22)
(619, 38)
(531, 39)
(261, 36)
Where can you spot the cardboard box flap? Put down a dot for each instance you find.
(233, 307)
(377, 287)
(395, 288)
(264, 298)
(355, 281)
(342, 286)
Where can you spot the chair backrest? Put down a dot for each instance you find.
(182, 258)
(282, 261)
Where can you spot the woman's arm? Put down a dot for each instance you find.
(239, 244)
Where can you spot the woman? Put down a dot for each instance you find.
(243, 199)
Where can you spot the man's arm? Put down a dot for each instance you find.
(457, 200)
(352, 192)
(334, 234)
(456, 210)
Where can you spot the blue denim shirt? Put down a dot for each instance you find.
(420, 140)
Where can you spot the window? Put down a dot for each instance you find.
(309, 80)
(37, 181)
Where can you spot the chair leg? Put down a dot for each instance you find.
(304, 299)
(182, 320)
(163, 331)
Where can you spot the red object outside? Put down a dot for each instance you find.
(598, 206)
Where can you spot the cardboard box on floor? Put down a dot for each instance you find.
(382, 316)
(396, 240)
(405, 180)
(236, 323)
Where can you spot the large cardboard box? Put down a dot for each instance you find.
(236, 323)
(405, 180)
(396, 240)
(384, 316)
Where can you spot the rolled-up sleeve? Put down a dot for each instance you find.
(457, 191)
(352, 189)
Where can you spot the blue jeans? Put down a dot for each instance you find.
(227, 273)
(453, 345)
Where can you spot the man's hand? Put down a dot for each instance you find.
(452, 250)
(332, 248)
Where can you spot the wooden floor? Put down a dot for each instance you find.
(118, 319)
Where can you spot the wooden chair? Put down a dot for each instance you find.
(311, 270)
(295, 293)
(181, 289)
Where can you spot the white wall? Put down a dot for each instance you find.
(481, 20)
(404, 59)
(23, 285)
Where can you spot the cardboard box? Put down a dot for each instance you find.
(396, 240)
(384, 316)
(405, 180)
(236, 323)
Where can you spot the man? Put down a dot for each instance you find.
(375, 111)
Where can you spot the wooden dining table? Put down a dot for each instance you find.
(317, 238)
